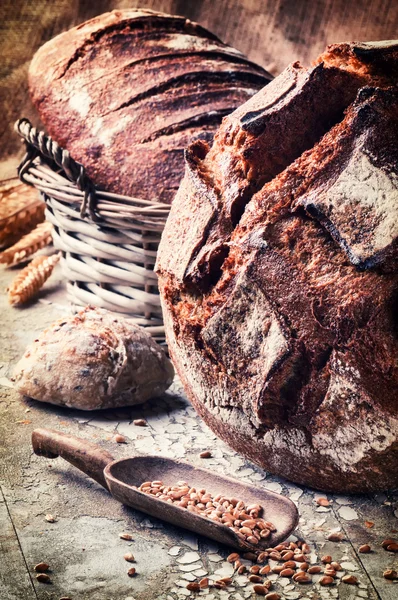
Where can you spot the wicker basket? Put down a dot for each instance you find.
(108, 242)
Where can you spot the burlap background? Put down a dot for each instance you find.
(271, 32)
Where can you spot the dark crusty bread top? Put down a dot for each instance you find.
(127, 91)
(299, 238)
(266, 134)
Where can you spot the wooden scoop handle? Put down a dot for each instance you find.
(87, 457)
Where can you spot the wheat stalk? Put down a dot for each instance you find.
(20, 211)
(32, 242)
(30, 280)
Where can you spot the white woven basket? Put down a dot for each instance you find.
(108, 242)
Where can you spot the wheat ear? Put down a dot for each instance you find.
(31, 279)
(30, 243)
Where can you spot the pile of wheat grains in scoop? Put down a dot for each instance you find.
(245, 520)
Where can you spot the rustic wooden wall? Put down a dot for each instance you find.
(271, 32)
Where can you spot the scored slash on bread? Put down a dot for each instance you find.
(280, 297)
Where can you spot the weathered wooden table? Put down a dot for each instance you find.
(83, 547)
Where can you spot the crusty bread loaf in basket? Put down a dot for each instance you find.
(124, 94)
(108, 258)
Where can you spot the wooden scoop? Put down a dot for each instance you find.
(123, 477)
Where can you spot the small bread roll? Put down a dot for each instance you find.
(93, 360)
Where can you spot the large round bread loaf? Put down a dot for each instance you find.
(127, 91)
(279, 279)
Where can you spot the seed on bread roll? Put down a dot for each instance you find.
(127, 91)
(278, 272)
(93, 360)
